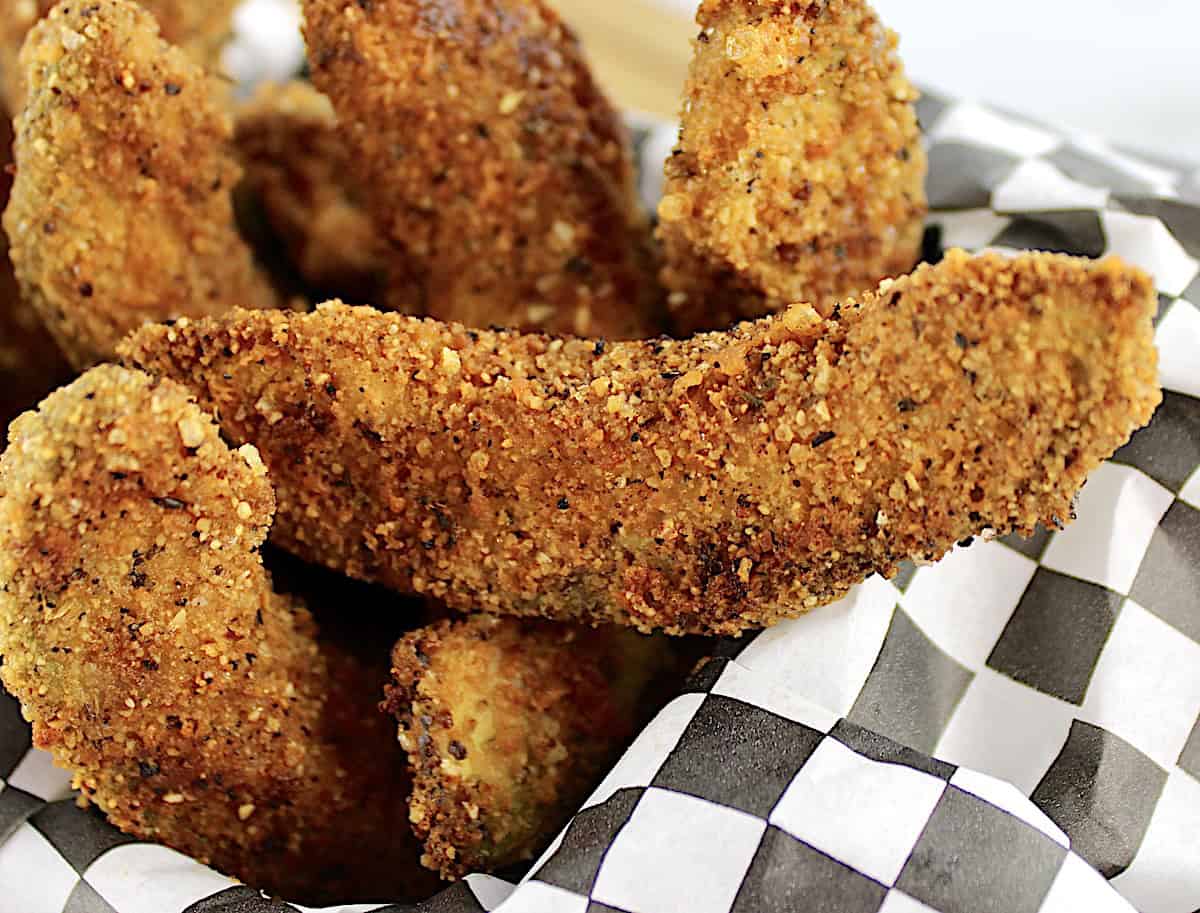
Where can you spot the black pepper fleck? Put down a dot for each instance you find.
(579, 266)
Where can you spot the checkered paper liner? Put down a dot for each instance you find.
(1015, 729)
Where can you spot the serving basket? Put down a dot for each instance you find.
(1014, 729)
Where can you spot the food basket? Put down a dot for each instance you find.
(1016, 728)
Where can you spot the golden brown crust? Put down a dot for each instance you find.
(709, 485)
(121, 210)
(199, 27)
(30, 363)
(507, 724)
(799, 171)
(497, 168)
(141, 634)
(294, 158)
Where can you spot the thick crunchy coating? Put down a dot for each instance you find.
(799, 171)
(707, 485)
(294, 157)
(121, 210)
(507, 724)
(498, 170)
(30, 363)
(140, 632)
(199, 27)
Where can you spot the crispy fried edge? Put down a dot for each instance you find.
(142, 636)
(120, 211)
(200, 28)
(514, 201)
(507, 724)
(705, 486)
(799, 170)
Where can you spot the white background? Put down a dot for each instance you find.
(1128, 70)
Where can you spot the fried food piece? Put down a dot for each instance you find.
(507, 724)
(140, 632)
(498, 170)
(799, 171)
(294, 157)
(30, 362)
(121, 211)
(708, 485)
(199, 28)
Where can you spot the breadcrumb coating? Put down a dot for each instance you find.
(507, 724)
(199, 28)
(140, 632)
(799, 171)
(498, 170)
(294, 157)
(30, 363)
(121, 211)
(708, 485)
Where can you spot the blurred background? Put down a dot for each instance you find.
(1127, 71)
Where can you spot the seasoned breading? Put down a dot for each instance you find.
(498, 170)
(708, 485)
(799, 171)
(141, 634)
(294, 157)
(30, 362)
(200, 28)
(121, 212)
(507, 724)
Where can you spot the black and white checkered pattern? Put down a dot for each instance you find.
(1016, 728)
(747, 797)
